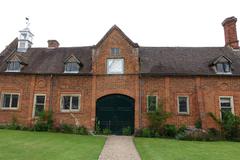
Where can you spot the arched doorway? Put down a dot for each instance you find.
(115, 112)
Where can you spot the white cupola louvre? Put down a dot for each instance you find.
(25, 39)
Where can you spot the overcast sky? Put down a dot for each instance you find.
(147, 22)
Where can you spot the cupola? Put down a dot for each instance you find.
(25, 39)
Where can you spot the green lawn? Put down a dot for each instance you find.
(21, 145)
(166, 149)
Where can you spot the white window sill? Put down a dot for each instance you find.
(115, 73)
(183, 114)
(224, 73)
(71, 72)
(3, 108)
(69, 111)
(12, 71)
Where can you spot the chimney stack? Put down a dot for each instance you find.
(230, 32)
(53, 44)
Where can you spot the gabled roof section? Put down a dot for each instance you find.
(49, 61)
(72, 58)
(185, 60)
(10, 48)
(220, 59)
(115, 27)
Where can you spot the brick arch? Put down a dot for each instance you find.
(119, 91)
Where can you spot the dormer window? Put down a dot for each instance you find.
(71, 67)
(222, 65)
(13, 66)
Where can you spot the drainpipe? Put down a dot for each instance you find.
(140, 102)
(51, 93)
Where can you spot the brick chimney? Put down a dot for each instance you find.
(230, 32)
(53, 44)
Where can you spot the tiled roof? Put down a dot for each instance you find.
(153, 60)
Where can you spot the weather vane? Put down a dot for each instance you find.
(27, 22)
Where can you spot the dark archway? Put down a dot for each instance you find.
(115, 112)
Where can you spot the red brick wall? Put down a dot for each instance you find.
(16, 84)
(203, 95)
(29, 85)
(203, 92)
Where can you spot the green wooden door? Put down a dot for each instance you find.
(115, 112)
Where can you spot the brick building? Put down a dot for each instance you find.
(116, 82)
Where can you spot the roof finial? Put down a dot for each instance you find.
(27, 22)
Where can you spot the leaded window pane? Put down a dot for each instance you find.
(40, 99)
(39, 104)
(226, 67)
(226, 106)
(66, 102)
(38, 109)
(183, 102)
(71, 67)
(14, 66)
(14, 100)
(75, 102)
(115, 51)
(220, 67)
(225, 102)
(152, 103)
(6, 100)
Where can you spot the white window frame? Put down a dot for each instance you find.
(121, 72)
(156, 102)
(231, 101)
(188, 108)
(10, 108)
(70, 109)
(35, 100)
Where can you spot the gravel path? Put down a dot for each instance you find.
(119, 148)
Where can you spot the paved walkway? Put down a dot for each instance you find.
(119, 148)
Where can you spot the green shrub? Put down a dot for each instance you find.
(127, 131)
(158, 118)
(146, 132)
(214, 134)
(97, 127)
(193, 135)
(229, 125)
(182, 129)
(169, 130)
(40, 126)
(106, 131)
(198, 123)
(138, 133)
(81, 130)
(3, 126)
(66, 128)
(14, 124)
(44, 122)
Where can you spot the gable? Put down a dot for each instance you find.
(72, 58)
(222, 59)
(117, 29)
